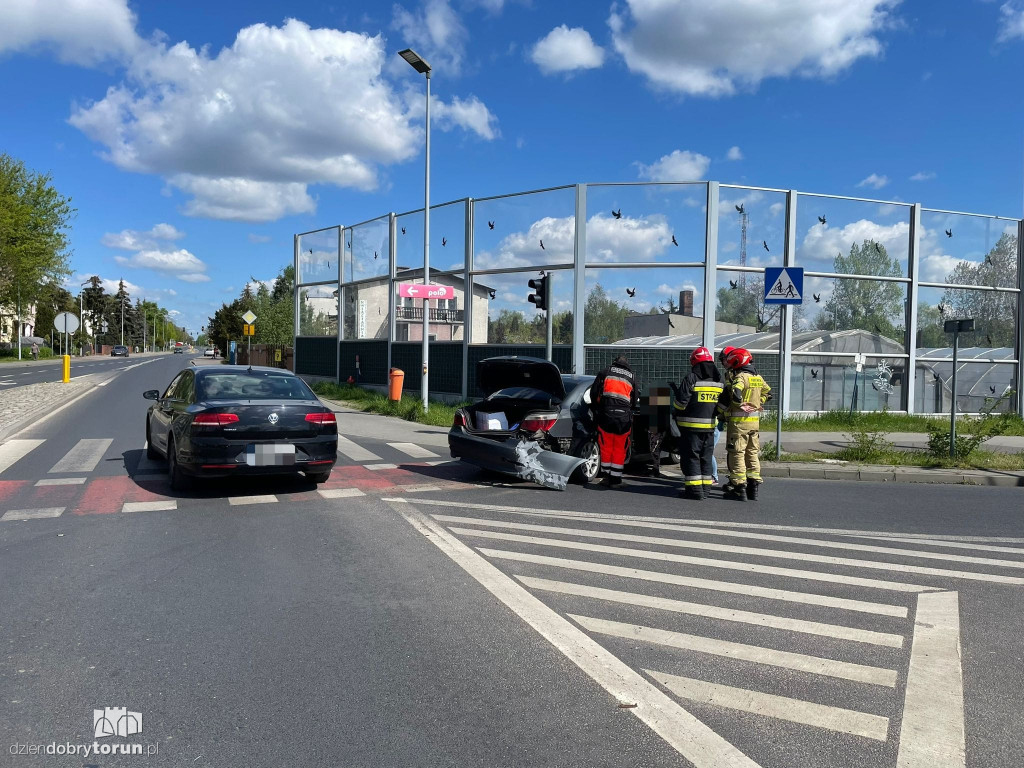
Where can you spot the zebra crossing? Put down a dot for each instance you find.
(835, 641)
(98, 475)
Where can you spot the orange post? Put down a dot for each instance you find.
(396, 378)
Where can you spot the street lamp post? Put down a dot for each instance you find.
(956, 327)
(81, 314)
(420, 65)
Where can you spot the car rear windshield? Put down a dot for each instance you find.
(255, 385)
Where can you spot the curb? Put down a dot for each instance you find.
(44, 411)
(880, 474)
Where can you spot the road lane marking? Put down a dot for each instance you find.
(815, 665)
(806, 598)
(682, 528)
(13, 450)
(709, 562)
(149, 506)
(775, 554)
(948, 544)
(267, 498)
(685, 733)
(61, 481)
(32, 514)
(598, 516)
(376, 467)
(411, 449)
(355, 452)
(771, 621)
(779, 707)
(932, 732)
(84, 457)
(339, 493)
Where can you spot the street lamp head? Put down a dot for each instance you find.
(415, 61)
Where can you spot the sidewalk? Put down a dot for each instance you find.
(355, 423)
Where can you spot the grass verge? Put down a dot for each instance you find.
(408, 408)
(883, 421)
(896, 458)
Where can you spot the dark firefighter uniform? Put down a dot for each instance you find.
(695, 414)
(613, 396)
(743, 400)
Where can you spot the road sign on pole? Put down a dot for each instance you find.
(783, 285)
(249, 317)
(66, 322)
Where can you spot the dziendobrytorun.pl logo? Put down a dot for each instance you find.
(106, 722)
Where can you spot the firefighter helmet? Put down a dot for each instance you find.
(738, 358)
(701, 355)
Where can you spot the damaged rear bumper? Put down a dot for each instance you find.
(521, 458)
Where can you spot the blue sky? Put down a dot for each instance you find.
(196, 138)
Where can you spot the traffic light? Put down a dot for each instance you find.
(540, 296)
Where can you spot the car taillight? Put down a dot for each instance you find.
(321, 418)
(460, 419)
(214, 419)
(538, 423)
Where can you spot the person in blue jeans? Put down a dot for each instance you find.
(720, 427)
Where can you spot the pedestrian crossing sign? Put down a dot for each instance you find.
(783, 285)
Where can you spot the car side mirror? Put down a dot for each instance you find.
(151, 394)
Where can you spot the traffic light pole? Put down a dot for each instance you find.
(547, 348)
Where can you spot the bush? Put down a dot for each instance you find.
(769, 451)
(972, 433)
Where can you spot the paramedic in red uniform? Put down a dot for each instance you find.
(613, 396)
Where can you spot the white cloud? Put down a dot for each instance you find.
(436, 33)
(874, 181)
(241, 199)
(734, 153)
(256, 239)
(713, 48)
(821, 244)
(1011, 21)
(84, 32)
(566, 50)
(246, 129)
(776, 208)
(471, 114)
(136, 240)
(923, 176)
(680, 165)
(180, 263)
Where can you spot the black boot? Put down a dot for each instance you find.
(705, 491)
(735, 492)
(752, 488)
(692, 492)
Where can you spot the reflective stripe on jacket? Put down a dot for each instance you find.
(697, 402)
(617, 385)
(746, 388)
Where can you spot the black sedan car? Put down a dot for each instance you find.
(119, 350)
(238, 420)
(535, 423)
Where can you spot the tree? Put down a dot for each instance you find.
(744, 304)
(993, 311)
(869, 305)
(604, 319)
(34, 219)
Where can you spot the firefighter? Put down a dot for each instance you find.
(744, 398)
(695, 413)
(614, 396)
(720, 427)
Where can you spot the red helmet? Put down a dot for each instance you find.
(701, 355)
(725, 353)
(738, 358)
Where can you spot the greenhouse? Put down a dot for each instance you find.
(652, 270)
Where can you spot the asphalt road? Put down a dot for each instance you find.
(413, 612)
(19, 374)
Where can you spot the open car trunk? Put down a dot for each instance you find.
(515, 403)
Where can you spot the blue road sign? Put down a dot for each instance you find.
(783, 285)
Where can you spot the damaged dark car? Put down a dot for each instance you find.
(534, 423)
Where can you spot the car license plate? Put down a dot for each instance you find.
(270, 455)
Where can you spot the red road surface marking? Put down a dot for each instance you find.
(106, 495)
(9, 488)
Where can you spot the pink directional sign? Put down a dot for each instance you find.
(420, 291)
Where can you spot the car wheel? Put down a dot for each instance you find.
(179, 480)
(318, 477)
(151, 451)
(591, 466)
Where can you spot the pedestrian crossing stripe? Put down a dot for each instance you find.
(932, 732)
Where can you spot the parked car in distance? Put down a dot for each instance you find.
(119, 350)
(179, 350)
(209, 352)
(218, 421)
